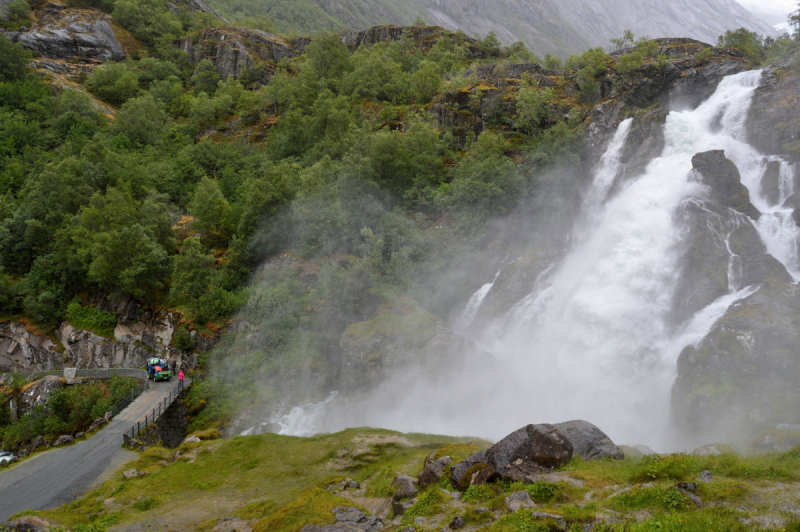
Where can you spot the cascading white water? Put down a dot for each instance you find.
(298, 421)
(473, 305)
(591, 341)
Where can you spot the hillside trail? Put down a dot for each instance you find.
(50, 479)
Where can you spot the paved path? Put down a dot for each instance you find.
(50, 479)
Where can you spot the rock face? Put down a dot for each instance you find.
(588, 441)
(423, 37)
(719, 223)
(720, 174)
(39, 392)
(773, 122)
(741, 378)
(68, 33)
(21, 348)
(234, 50)
(373, 351)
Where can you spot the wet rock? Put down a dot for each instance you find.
(519, 499)
(433, 471)
(722, 177)
(588, 441)
(420, 521)
(68, 33)
(192, 439)
(540, 445)
(773, 120)
(356, 518)
(130, 473)
(721, 383)
(771, 183)
(793, 202)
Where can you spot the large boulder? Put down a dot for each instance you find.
(433, 471)
(588, 441)
(72, 33)
(462, 472)
(543, 445)
(520, 456)
(39, 393)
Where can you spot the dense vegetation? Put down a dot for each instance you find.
(363, 165)
(68, 410)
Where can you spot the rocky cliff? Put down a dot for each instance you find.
(60, 33)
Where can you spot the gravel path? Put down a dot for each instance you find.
(50, 479)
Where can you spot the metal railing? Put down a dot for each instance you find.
(105, 373)
(128, 399)
(162, 406)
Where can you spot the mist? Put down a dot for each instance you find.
(567, 306)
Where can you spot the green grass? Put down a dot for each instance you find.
(281, 483)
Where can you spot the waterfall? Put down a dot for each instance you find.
(473, 305)
(302, 420)
(591, 340)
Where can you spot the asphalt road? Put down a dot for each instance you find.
(50, 479)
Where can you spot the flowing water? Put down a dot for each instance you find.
(591, 340)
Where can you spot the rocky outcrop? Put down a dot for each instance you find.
(72, 33)
(423, 37)
(773, 122)
(433, 471)
(132, 345)
(20, 348)
(723, 251)
(588, 441)
(741, 378)
(685, 82)
(519, 457)
(722, 178)
(234, 50)
(39, 393)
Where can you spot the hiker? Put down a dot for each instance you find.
(173, 366)
(180, 380)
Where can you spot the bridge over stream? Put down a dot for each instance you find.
(50, 479)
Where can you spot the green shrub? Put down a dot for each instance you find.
(97, 321)
(146, 504)
(481, 493)
(630, 62)
(672, 467)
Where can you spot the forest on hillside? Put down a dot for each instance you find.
(193, 181)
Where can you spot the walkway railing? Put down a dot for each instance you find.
(158, 410)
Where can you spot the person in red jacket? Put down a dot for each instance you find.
(180, 379)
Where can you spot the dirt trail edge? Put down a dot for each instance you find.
(50, 479)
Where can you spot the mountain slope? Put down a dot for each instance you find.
(546, 26)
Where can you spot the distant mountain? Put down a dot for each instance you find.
(559, 27)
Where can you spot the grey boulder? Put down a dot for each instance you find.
(588, 441)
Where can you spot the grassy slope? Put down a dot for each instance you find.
(279, 482)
